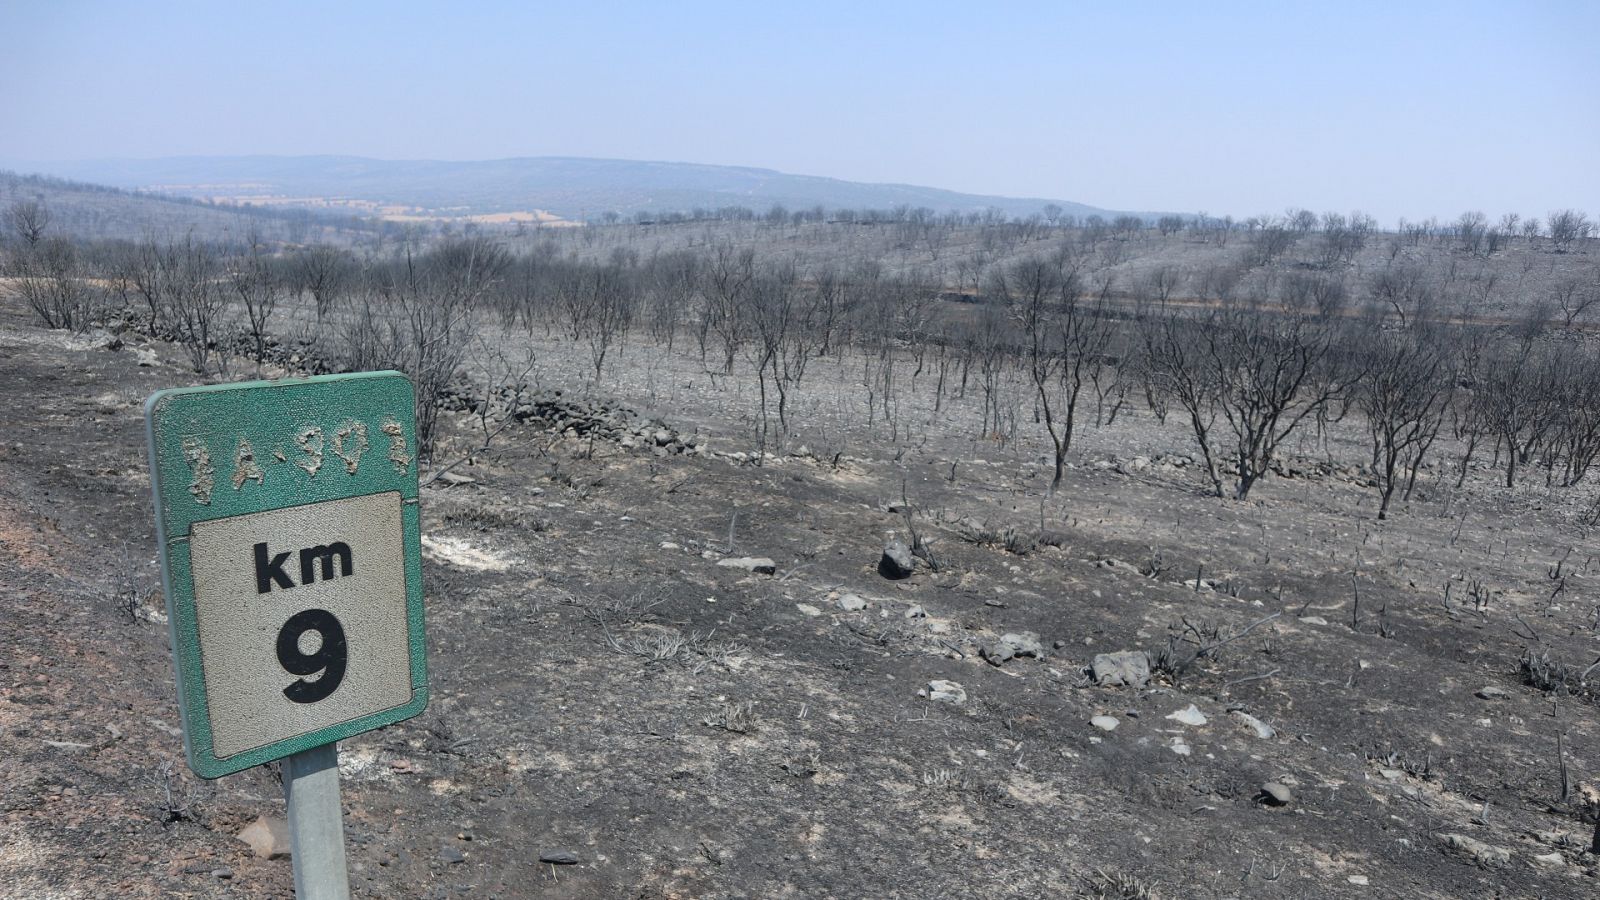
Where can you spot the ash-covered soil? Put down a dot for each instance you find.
(652, 723)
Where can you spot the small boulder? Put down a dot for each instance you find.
(896, 562)
(996, 653)
(1262, 729)
(915, 611)
(852, 603)
(946, 692)
(1491, 692)
(147, 357)
(1275, 794)
(1013, 644)
(1481, 853)
(1023, 643)
(1190, 715)
(559, 857)
(760, 565)
(808, 610)
(1129, 668)
(1105, 723)
(268, 837)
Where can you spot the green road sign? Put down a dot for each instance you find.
(290, 556)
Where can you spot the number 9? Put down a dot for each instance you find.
(329, 658)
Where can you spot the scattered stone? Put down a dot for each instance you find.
(996, 653)
(897, 561)
(452, 856)
(1483, 854)
(760, 565)
(559, 857)
(1491, 692)
(1013, 644)
(1275, 794)
(852, 603)
(1180, 747)
(669, 545)
(1262, 729)
(1129, 467)
(915, 611)
(946, 692)
(1189, 716)
(98, 339)
(268, 837)
(1023, 643)
(147, 357)
(1105, 723)
(807, 609)
(1129, 668)
(1358, 880)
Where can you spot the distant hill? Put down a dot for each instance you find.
(98, 212)
(568, 187)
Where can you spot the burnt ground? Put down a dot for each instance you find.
(603, 687)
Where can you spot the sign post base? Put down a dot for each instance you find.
(316, 824)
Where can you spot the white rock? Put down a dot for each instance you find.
(1313, 620)
(1105, 723)
(852, 602)
(1360, 880)
(1179, 747)
(1262, 729)
(946, 692)
(808, 610)
(760, 565)
(1190, 716)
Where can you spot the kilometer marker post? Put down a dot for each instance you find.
(316, 824)
(289, 533)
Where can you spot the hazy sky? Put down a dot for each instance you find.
(1395, 108)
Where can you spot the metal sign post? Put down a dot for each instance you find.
(291, 560)
(316, 824)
